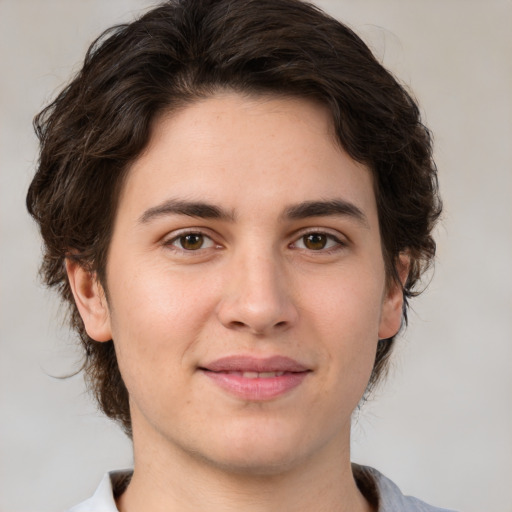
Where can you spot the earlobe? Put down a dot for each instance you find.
(90, 300)
(392, 307)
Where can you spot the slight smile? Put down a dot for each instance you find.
(256, 379)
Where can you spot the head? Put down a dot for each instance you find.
(180, 54)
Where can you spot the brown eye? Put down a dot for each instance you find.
(191, 242)
(318, 241)
(315, 241)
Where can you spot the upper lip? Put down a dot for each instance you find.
(241, 363)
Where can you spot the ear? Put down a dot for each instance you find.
(392, 306)
(90, 300)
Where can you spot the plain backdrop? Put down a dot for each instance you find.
(441, 426)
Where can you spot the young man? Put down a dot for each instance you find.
(236, 200)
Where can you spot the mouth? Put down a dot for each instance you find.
(256, 379)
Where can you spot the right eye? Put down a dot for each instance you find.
(191, 242)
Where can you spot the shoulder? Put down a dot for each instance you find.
(386, 495)
(103, 499)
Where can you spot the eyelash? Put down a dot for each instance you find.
(335, 243)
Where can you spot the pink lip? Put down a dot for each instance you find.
(227, 373)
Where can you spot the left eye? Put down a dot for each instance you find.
(192, 242)
(316, 242)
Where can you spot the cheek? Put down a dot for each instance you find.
(347, 318)
(351, 307)
(154, 298)
(156, 320)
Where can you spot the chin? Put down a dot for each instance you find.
(254, 464)
(256, 451)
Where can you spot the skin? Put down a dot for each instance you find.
(256, 286)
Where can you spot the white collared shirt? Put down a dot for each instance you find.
(389, 496)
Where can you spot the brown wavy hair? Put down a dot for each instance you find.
(184, 50)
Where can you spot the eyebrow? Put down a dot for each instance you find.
(190, 208)
(333, 207)
(304, 210)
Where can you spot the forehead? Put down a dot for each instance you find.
(242, 152)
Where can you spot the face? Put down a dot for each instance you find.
(246, 285)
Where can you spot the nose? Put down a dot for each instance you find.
(257, 296)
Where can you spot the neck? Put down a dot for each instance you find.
(173, 479)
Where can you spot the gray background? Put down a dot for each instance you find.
(441, 426)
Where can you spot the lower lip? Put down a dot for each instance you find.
(257, 389)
